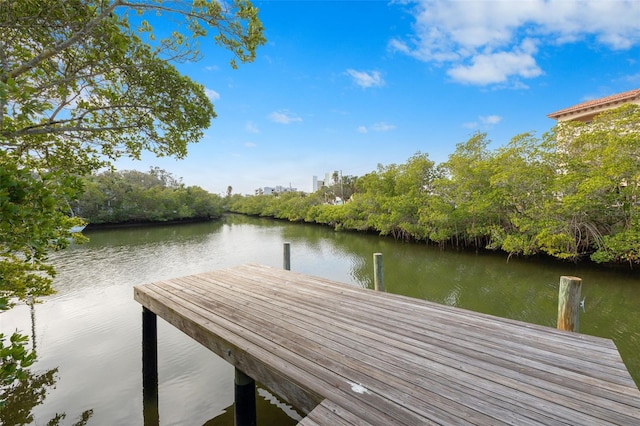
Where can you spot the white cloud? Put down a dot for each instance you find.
(497, 67)
(211, 94)
(634, 78)
(250, 144)
(490, 120)
(382, 127)
(211, 68)
(284, 117)
(376, 127)
(366, 79)
(484, 120)
(489, 42)
(251, 127)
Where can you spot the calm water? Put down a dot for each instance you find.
(88, 335)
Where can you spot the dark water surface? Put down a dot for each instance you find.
(88, 335)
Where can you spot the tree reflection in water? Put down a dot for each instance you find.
(21, 397)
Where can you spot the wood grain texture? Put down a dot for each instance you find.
(346, 355)
(569, 303)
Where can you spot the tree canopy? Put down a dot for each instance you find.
(130, 196)
(83, 83)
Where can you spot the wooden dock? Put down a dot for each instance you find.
(349, 356)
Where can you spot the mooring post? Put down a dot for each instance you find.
(245, 404)
(378, 279)
(286, 259)
(569, 303)
(150, 412)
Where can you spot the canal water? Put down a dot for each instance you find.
(88, 335)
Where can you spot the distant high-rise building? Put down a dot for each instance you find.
(317, 184)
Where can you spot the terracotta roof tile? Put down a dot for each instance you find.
(624, 96)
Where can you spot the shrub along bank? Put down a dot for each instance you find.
(571, 194)
(135, 197)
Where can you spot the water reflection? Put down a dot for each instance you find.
(19, 398)
(23, 396)
(90, 330)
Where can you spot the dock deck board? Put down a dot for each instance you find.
(346, 355)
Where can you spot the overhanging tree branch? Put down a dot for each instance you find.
(54, 50)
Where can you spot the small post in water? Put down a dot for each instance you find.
(286, 260)
(245, 400)
(569, 303)
(378, 280)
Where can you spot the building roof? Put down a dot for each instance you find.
(606, 102)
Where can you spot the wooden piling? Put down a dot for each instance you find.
(286, 259)
(245, 400)
(569, 303)
(150, 411)
(378, 279)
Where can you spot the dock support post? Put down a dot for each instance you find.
(378, 279)
(569, 303)
(245, 400)
(286, 259)
(150, 411)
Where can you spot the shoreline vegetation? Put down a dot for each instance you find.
(133, 198)
(574, 201)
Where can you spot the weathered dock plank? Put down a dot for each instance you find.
(330, 413)
(347, 355)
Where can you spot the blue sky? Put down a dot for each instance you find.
(348, 85)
